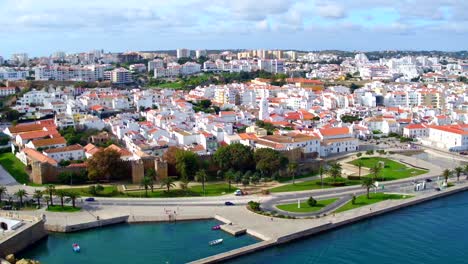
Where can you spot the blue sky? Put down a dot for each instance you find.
(41, 27)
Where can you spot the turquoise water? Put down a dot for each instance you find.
(430, 233)
(138, 243)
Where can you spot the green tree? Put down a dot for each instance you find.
(104, 164)
(321, 172)
(38, 196)
(359, 164)
(229, 177)
(446, 174)
(311, 201)
(50, 189)
(168, 182)
(359, 154)
(3, 191)
(187, 164)
(245, 181)
(61, 194)
(269, 160)
(292, 169)
(73, 196)
(21, 194)
(255, 179)
(458, 171)
(466, 171)
(201, 177)
(147, 183)
(368, 183)
(335, 171)
(235, 156)
(47, 199)
(375, 170)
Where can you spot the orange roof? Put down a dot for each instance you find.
(64, 149)
(91, 149)
(49, 141)
(303, 80)
(123, 152)
(21, 128)
(38, 134)
(334, 131)
(245, 136)
(452, 129)
(37, 156)
(415, 126)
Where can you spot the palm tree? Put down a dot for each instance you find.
(38, 195)
(335, 171)
(201, 176)
(73, 196)
(368, 183)
(147, 183)
(229, 177)
(292, 168)
(21, 193)
(376, 170)
(168, 182)
(446, 173)
(3, 191)
(321, 172)
(47, 200)
(458, 171)
(50, 189)
(61, 194)
(359, 164)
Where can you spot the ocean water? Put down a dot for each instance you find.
(435, 232)
(137, 243)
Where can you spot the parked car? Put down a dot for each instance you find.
(437, 189)
(229, 203)
(90, 199)
(7, 207)
(428, 180)
(238, 193)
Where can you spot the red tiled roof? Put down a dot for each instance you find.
(37, 156)
(49, 141)
(334, 131)
(64, 149)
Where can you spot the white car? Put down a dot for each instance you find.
(238, 193)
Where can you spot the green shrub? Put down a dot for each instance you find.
(354, 178)
(254, 206)
(311, 201)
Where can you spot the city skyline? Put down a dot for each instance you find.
(41, 28)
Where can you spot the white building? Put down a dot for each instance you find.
(10, 74)
(73, 152)
(200, 53)
(183, 53)
(154, 64)
(121, 76)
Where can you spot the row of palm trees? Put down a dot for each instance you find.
(21, 194)
(457, 171)
(49, 193)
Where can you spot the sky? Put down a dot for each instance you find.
(40, 27)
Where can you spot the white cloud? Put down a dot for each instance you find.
(331, 11)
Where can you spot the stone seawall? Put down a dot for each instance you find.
(387, 206)
(86, 225)
(22, 238)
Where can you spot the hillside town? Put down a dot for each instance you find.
(416, 99)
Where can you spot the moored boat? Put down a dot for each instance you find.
(216, 242)
(76, 247)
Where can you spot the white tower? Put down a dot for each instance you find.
(263, 114)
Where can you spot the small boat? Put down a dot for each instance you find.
(216, 227)
(76, 247)
(216, 242)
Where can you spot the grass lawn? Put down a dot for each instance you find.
(111, 191)
(14, 166)
(289, 178)
(314, 184)
(374, 198)
(392, 171)
(305, 208)
(172, 85)
(65, 209)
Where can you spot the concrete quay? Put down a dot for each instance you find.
(315, 226)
